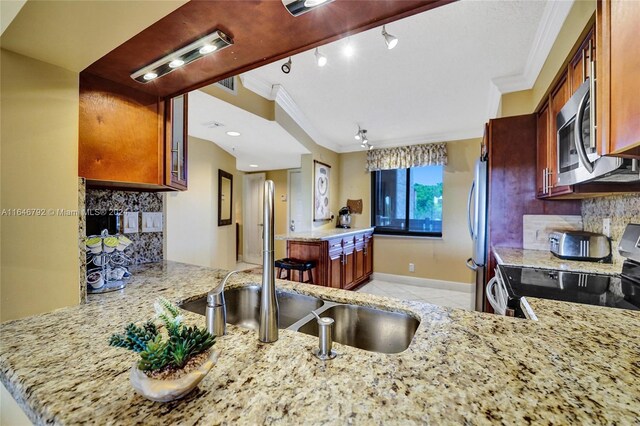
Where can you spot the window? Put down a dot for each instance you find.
(407, 201)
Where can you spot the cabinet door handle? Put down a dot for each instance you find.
(544, 181)
(549, 180)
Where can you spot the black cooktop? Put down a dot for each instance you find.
(621, 292)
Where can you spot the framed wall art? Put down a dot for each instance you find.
(322, 183)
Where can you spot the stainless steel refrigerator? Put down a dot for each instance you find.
(477, 221)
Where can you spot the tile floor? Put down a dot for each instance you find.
(449, 298)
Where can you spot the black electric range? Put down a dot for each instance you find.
(621, 292)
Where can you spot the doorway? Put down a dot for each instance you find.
(252, 218)
(296, 213)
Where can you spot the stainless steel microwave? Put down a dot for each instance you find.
(578, 160)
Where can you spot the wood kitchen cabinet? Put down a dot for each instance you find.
(618, 78)
(342, 262)
(126, 137)
(569, 79)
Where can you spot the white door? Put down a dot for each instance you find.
(252, 217)
(297, 220)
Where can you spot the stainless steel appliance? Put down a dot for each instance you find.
(580, 245)
(615, 291)
(344, 218)
(477, 222)
(578, 160)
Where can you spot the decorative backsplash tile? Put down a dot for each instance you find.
(621, 209)
(146, 247)
(82, 227)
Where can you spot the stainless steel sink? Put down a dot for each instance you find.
(367, 328)
(243, 306)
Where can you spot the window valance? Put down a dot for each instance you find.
(404, 157)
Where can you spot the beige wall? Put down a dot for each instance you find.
(437, 259)
(318, 153)
(244, 99)
(356, 184)
(525, 102)
(39, 169)
(192, 231)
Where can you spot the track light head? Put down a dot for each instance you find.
(390, 40)
(321, 60)
(286, 67)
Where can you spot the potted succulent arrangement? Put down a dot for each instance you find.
(172, 361)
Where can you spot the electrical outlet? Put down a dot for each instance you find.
(412, 267)
(606, 226)
(152, 222)
(130, 222)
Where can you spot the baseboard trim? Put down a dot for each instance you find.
(424, 282)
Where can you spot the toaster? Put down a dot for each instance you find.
(580, 245)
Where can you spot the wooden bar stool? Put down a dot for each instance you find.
(302, 266)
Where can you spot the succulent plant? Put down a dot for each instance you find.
(156, 352)
(135, 338)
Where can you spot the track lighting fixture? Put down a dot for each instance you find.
(286, 67)
(320, 58)
(362, 137)
(390, 40)
(348, 49)
(298, 7)
(213, 42)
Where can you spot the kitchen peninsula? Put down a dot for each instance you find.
(344, 257)
(461, 367)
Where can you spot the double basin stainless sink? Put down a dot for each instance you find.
(361, 327)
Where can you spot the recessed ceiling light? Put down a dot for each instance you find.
(217, 40)
(320, 58)
(253, 165)
(231, 133)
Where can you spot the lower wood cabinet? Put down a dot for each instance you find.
(343, 262)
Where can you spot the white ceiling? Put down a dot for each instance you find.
(262, 142)
(439, 83)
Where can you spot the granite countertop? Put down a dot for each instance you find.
(321, 234)
(576, 365)
(545, 260)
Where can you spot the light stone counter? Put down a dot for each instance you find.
(545, 260)
(577, 365)
(322, 234)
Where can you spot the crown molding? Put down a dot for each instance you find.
(493, 102)
(470, 133)
(553, 17)
(258, 86)
(277, 93)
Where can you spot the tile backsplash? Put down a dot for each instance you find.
(146, 247)
(621, 209)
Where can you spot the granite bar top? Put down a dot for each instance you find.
(322, 234)
(577, 365)
(545, 260)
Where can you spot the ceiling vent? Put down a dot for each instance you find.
(228, 85)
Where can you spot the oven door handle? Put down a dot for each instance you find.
(582, 153)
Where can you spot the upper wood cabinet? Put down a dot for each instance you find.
(618, 78)
(580, 65)
(126, 137)
(176, 143)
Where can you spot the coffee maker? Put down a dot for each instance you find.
(344, 218)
